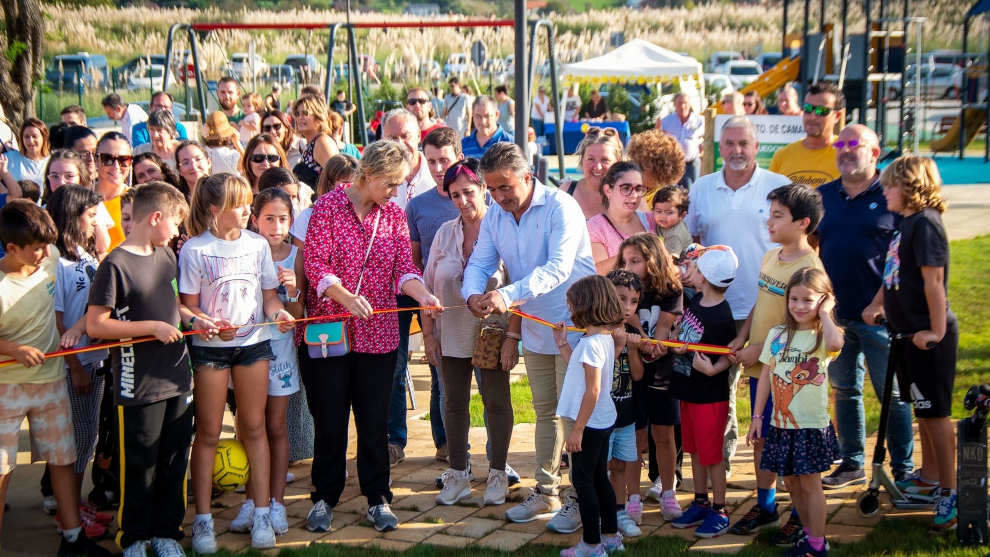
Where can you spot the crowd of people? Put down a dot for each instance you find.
(656, 289)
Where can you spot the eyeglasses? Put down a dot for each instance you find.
(852, 144)
(259, 158)
(417, 101)
(816, 109)
(595, 131)
(271, 128)
(86, 156)
(106, 159)
(460, 168)
(631, 190)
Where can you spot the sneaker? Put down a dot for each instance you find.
(442, 478)
(290, 477)
(613, 543)
(204, 540)
(627, 526)
(584, 550)
(456, 486)
(656, 491)
(82, 547)
(845, 474)
(49, 505)
(715, 524)
(803, 549)
(93, 529)
(913, 485)
(535, 505)
(318, 519)
(670, 508)
(103, 518)
(280, 522)
(945, 511)
(568, 518)
(165, 547)
(789, 534)
(497, 487)
(245, 518)
(634, 508)
(693, 516)
(442, 455)
(396, 454)
(140, 549)
(262, 533)
(382, 518)
(755, 520)
(511, 474)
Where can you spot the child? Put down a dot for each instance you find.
(622, 444)
(75, 210)
(285, 180)
(795, 211)
(30, 190)
(126, 212)
(34, 387)
(670, 206)
(250, 125)
(272, 216)
(701, 383)
(584, 399)
(659, 306)
(800, 442)
(913, 298)
(228, 278)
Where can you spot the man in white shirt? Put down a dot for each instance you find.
(540, 234)
(688, 128)
(730, 207)
(126, 114)
(457, 108)
(401, 125)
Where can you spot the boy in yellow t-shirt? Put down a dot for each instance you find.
(34, 387)
(795, 211)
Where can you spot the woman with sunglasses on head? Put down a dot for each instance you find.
(312, 122)
(193, 163)
(599, 150)
(279, 125)
(164, 136)
(28, 163)
(622, 196)
(113, 162)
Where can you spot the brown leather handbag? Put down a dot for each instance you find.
(488, 347)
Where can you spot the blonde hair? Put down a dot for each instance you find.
(384, 158)
(254, 100)
(223, 191)
(595, 136)
(316, 108)
(920, 181)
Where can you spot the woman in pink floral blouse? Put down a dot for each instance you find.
(342, 224)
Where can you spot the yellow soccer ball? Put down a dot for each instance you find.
(230, 466)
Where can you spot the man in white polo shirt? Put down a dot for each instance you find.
(730, 207)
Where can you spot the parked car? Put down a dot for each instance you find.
(457, 63)
(743, 72)
(283, 74)
(938, 81)
(768, 60)
(241, 65)
(123, 73)
(150, 78)
(306, 66)
(719, 82)
(82, 68)
(721, 57)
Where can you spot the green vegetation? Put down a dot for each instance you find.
(522, 405)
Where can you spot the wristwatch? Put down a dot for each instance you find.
(293, 299)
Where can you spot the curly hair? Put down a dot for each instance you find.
(660, 156)
(920, 181)
(662, 276)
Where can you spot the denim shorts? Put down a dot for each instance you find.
(226, 357)
(622, 444)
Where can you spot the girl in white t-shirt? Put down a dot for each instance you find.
(226, 276)
(586, 405)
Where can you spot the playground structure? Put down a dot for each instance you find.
(523, 68)
(971, 103)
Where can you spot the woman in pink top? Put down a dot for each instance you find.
(343, 223)
(622, 196)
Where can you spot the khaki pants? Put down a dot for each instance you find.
(546, 378)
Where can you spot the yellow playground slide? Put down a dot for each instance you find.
(776, 77)
(975, 117)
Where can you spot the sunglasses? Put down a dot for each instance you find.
(460, 168)
(271, 128)
(417, 101)
(259, 158)
(607, 132)
(816, 110)
(852, 144)
(106, 159)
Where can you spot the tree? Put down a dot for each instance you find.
(22, 42)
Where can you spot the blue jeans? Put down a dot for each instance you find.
(437, 409)
(867, 344)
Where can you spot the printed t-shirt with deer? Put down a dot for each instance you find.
(798, 381)
(771, 304)
(229, 276)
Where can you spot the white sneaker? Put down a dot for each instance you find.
(137, 549)
(656, 491)
(163, 547)
(204, 539)
(245, 518)
(290, 477)
(262, 534)
(627, 526)
(280, 522)
(49, 505)
(497, 488)
(568, 519)
(535, 505)
(455, 487)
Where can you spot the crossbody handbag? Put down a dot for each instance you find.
(327, 340)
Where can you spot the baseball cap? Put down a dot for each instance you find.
(718, 264)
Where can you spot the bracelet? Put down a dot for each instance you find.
(294, 299)
(509, 334)
(756, 417)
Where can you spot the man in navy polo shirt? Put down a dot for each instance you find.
(853, 239)
(487, 132)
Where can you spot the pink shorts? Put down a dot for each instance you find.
(46, 407)
(703, 430)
